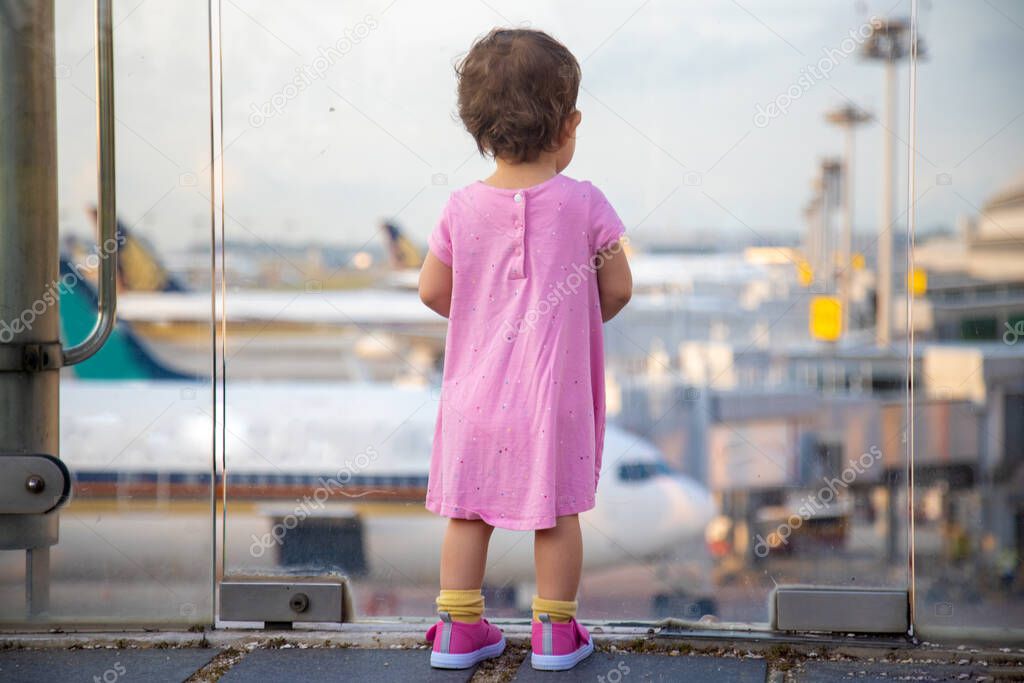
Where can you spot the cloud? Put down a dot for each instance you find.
(674, 81)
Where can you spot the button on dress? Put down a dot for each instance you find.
(520, 427)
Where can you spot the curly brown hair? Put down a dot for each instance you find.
(517, 88)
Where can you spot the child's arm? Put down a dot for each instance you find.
(436, 285)
(614, 281)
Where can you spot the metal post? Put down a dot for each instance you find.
(29, 314)
(106, 213)
(889, 42)
(883, 323)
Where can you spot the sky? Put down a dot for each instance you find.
(670, 99)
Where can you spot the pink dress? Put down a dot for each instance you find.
(521, 422)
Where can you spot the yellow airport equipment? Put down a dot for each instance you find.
(826, 319)
(917, 282)
(804, 273)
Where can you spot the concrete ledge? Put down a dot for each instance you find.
(410, 635)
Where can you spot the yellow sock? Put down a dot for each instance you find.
(466, 606)
(560, 611)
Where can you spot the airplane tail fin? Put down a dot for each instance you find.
(402, 253)
(123, 356)
(139, 268)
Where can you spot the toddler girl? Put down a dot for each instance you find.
(526, 265)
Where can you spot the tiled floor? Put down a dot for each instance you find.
(843, 672)
(342, 664)
(102, 664)
(366, 665)
(606, 666)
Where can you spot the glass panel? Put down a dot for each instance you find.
(330, 357)
(750, 354)
(742, 452)
(136, 538)
(969, 402)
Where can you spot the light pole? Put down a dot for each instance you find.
(831, 171)
(825, 322)
(889, 42)
(847, 118)
(812, 239)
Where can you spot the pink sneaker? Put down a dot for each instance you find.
(557, 647)
(460, 646)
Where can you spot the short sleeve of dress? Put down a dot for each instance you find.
(440, 240)
(605, 225)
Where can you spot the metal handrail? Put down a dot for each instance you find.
(106, 218)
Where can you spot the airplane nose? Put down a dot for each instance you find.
(690, 507)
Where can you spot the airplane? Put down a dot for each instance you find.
(371, 323)
(380, 330)
(320, 476)
(404, 257)
(152, 294)
(172, 316)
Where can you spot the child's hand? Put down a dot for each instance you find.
(614, 281)
(436, 285)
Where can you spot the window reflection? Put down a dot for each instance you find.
(750, 364)
(732, 426)
(759, 432)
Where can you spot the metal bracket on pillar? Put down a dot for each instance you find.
(34, 357)
(32, 485)
(32, 489)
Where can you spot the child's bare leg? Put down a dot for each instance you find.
(464, 554)
(558, 561)
(463, 559)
